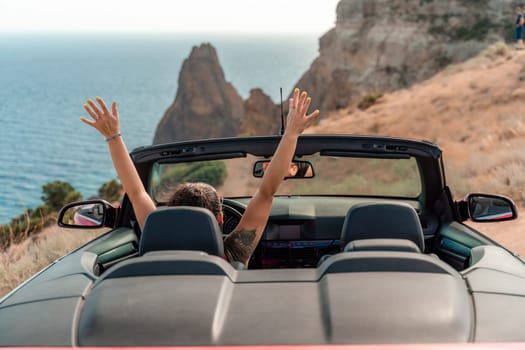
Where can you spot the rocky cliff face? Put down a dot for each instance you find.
(205, 106)
(384, 45)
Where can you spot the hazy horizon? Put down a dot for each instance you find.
(158, 16)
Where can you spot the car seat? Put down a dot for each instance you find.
(181, 228)
(389, 226)
(381, 227)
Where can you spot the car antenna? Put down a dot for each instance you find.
(282, 113)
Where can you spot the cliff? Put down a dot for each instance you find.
(384, 45)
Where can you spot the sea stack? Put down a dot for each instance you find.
(206, 105)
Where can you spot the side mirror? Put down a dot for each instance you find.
(299, 169)
(489, 208)
(88, 214)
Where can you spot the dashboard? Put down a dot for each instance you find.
(301, 229)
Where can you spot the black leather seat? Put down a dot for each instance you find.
(181, 228)
(391, 227)
(367, 222)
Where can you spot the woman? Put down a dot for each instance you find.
(241, 243)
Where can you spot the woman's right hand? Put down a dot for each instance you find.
(297, 119)
(106, 122)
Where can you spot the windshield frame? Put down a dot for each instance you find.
(427, 155)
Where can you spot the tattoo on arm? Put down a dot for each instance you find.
(238, 246)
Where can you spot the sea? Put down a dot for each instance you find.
(46, 78)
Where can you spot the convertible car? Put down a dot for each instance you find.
(364, 245)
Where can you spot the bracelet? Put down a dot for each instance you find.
(113, 137)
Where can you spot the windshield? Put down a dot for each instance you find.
(331, 176)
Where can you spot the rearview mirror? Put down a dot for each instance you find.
(299, 169)
(490, 208)
(88, 214)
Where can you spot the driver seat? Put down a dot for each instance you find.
(181, 228)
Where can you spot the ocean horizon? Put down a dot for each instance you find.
(46, 78)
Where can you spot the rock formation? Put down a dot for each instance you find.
(206, 105)
(261, 115)
(383, 45)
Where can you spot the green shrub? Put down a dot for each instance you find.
(443, 60)
(55, 195)
(58, 193)
(110, 191)
(369, 100)
(478, 31)
(211, 172)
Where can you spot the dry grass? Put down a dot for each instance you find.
(497, 49)
(509, 234)
(23, 260)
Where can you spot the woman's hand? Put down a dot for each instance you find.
(106, 122)
(297, 120)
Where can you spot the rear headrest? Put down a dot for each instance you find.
(382, 220)
(181, 228)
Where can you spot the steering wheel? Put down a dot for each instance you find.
(232, 217)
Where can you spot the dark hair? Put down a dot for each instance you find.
(196, 194)
(302, 169)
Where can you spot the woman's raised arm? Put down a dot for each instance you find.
(241, 243)
(107, 123)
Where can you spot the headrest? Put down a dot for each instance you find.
(382, 244)
(181, 228)
(382, 220)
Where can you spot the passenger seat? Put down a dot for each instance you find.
(381, 227)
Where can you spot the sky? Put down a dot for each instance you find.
(240, 16)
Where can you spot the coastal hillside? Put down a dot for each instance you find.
(475, 112)
(376, 46)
